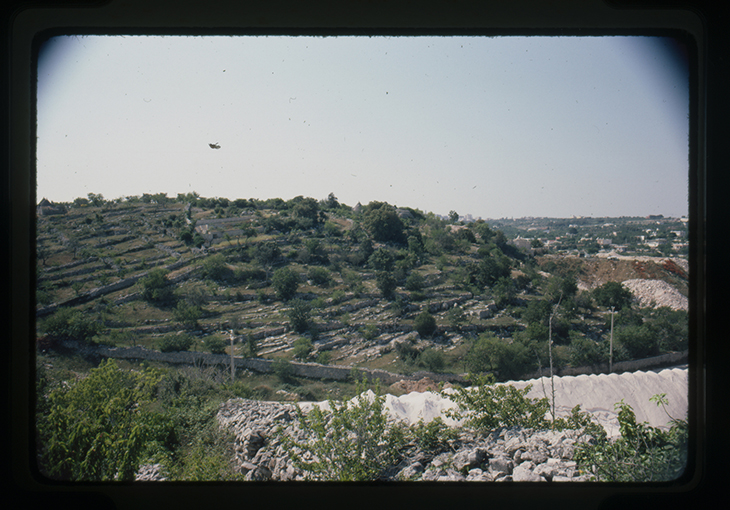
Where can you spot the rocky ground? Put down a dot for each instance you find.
(512, 454)
(656, 293)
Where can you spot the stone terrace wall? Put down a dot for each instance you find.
(341, 373)
(308, 370)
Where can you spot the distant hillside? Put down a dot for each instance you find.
(374, 285)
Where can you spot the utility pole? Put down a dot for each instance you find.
(550, 350)
(233, 366)
(610, 347)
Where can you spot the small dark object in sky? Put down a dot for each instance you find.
(214, 146)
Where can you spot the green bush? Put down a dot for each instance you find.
(215, 268)
(319, 276)
(71, 324)
(98, 428)
(187, 314)
(432, 359)
(584, 351)
(489, 353)
(299, 314)
(486, 406)
(369, 332)
(156, 286)
(349, 442)
(285, 282)
(386, 284)
(612, 294)
(215, 344)
(415, 282)
(433, 436)
(176, 343)
(425, 324)
(641, 454)
(283, 370)
(302, 347)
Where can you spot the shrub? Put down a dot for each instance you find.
(215, 344)
(349, 442)
(433, 436)
(187, 314)
(584, 351)
(71, 324)
(386, 284)
(425, 324)
(369, 332)
(176, 343)
(285, 282)
(486, 406)
(319, 276)
(407, 352)
(612, 294)
(415, 282)
(97, 428)
(156, 286)
(491, 353)
(324, 357)
(299, 315)
(381, 259)
(283, 369)
(639, 341)
(432, 359)
(302, 347)
(641, 454)
(215, 268)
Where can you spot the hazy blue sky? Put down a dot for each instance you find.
(494, 127)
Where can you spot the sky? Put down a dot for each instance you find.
(495, 127)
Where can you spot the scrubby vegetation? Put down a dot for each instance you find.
(374, 286)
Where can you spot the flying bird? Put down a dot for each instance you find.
(214, 145)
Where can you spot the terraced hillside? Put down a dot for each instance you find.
(373, 286)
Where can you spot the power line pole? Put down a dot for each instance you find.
(233, 366)
(610, 347)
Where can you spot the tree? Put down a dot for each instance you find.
(510, 360)
(302, 347)
(176, 342)
(383, 223)
(215, 344)
(425, 324)
(70, 324)
(612, 294)
(285, 282)
(215, 268)
(331, 203)
(415, 282)
(386, 284)
(156, 286)
(299, 315)
(96, 429)
(486, 406)
(381, 259)
(187, 314)
(306, 212)
(453, 216)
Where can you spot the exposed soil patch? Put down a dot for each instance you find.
(594, 272)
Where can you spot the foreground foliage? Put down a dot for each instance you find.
(104, 426)
(97, 428)
(486, 406)
(350, 442)
(642, 454)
